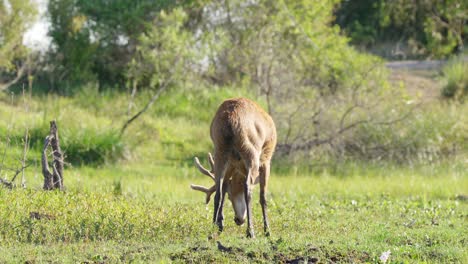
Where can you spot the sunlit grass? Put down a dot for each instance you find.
(149, 212)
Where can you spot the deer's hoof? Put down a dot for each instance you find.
(250, 234)
(220, 226)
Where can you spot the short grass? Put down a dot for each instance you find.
(147, 213)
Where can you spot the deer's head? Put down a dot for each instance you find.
(234, 183)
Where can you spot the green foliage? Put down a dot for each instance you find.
(95, 40)
(164, 53)
(74, 55)
(455, 79)
(360, 20)
(196, 103)
(291, 56)
(445, 28)
(423, 28)
(15, 17)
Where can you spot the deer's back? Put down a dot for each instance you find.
(241, 123)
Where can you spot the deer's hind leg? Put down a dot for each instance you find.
(264, 176)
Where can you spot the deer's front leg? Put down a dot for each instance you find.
(253, 168)
(218, 216)
(248, 201)
(220, 169)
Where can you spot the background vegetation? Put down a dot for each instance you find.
(406, 29)
(368, 159)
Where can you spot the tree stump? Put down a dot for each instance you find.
(52, 180)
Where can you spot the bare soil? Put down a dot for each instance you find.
(420, 84)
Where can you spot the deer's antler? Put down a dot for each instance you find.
(212, 189)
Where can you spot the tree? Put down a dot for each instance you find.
(164, 58)
(428, 27)
(95, 40)
(15, 17)
(316, 86)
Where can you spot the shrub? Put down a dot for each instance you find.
(455, 79)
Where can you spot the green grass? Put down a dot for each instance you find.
(148, 213)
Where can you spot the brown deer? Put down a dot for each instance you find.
(244, 138)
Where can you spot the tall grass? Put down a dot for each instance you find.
(86, 138)
(176, 128)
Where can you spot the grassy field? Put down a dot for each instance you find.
(128, 199)
(124, 213)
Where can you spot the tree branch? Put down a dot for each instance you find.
(19, 74)
(145, 108)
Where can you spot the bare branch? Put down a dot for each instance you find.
(10, 184)
(18, 171)
(308, 144)
(153, 99)
(19, 74)
(6, 183)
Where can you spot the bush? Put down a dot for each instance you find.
(455, 79)
(430, 135)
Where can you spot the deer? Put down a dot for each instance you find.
(244, 139)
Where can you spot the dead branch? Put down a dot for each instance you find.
(153, 99)
(6, 183)
(54, 179)
(18, 171)
(10, 184)
(23, 160)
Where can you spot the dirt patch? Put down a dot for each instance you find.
(40, 216)
(308, 260)
(420, 84)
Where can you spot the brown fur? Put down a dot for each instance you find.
(244, 138)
